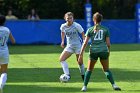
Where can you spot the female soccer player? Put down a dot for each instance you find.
(99, 48)
(4, 53)
(70, 29)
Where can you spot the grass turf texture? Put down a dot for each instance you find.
(36, 69)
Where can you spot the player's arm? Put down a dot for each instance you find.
(108, 43)
(81, 31)
(12, 38)
(83, 35)
(84, 45)
(62, 39)
(83, 48)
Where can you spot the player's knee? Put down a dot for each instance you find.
(3, 70)
(80, 63)
(61, 60)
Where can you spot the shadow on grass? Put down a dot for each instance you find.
(52, 75)
(47, 89)
(35, 49)
(44, 49)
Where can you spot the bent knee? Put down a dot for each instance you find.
(80, 63)
(61, 59)
(3, 71)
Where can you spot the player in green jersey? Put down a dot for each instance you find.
(99, 48)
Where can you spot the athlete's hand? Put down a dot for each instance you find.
(62, 44)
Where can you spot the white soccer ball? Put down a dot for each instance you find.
(64, 78)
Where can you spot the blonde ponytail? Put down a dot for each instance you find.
(96, 28)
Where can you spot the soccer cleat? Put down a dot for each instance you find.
(82, 77)
(69, 76)
(115, 87)
(84, 88)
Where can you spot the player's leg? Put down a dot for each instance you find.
(65, 55)
(91, 63)
(3, 77)
(81, 66)
(88, 74)
(105, 64)
(80, 62)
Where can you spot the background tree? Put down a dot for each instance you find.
(55, 9)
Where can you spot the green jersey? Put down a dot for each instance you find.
(98, 38)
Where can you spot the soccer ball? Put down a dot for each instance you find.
(64, 78)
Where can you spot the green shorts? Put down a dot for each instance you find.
(101, 55)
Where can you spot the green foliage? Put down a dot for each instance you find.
(115, 9)
(55, 9)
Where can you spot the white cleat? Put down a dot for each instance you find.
(84, 88)
(115, 87)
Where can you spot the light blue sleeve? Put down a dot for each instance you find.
(80, 28)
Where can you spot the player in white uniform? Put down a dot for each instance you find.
(4, 52)
(70, 29)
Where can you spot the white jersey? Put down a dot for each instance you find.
(4, 53)
(71, 32)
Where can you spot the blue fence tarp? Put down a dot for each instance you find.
(122, 31)
(48, 31)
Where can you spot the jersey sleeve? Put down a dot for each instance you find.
(7, 30)
(107, 33)
(62, 28)
(88, 33)
(80, 28)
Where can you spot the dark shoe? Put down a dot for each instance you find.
(82, 77)
(115, 87)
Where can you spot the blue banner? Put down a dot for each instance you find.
(88, 15)
(138, 21)
(48, 31)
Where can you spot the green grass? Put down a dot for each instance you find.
(36, 69)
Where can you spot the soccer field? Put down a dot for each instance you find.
(36, 69)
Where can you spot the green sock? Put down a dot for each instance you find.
(87, 77)
(109, 76)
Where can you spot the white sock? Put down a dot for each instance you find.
(82, 69)
(3, 79)
(65, 67)
(114, 85)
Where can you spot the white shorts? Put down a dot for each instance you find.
(71, 49)
(4, 58)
